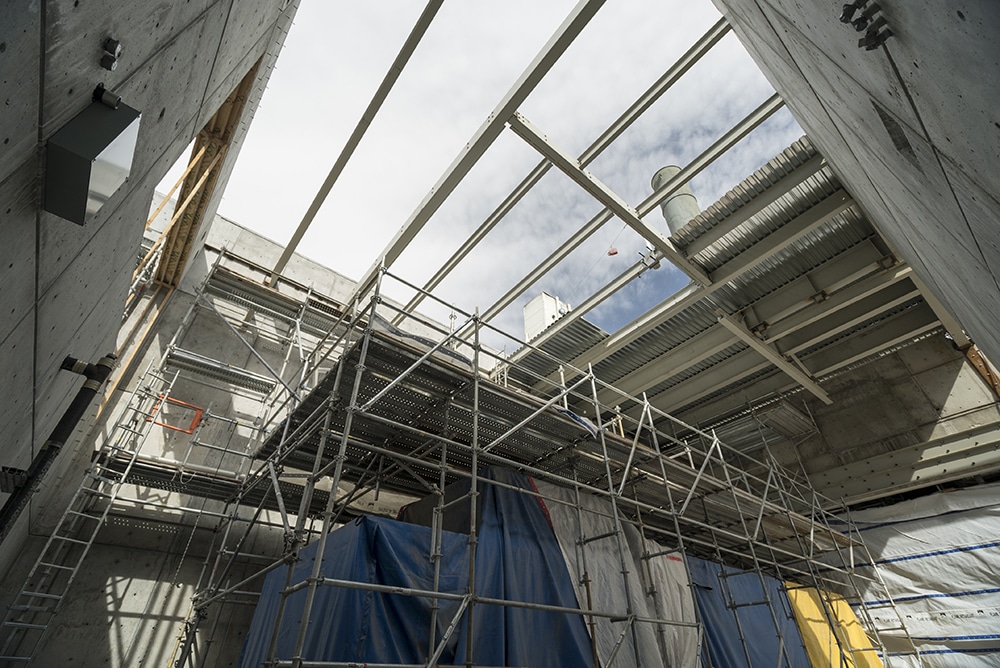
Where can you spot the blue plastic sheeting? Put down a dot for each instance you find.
(722, 601)
(518, 559)
(357, 625)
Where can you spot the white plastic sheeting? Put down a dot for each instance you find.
(940, 558)
(658, 585)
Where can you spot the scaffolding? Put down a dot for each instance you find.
(349, 405)
(394, 411)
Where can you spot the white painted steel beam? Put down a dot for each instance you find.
(841, 311)
(773, 243)
(783, 365)
(695, 167)
(898, 329)
(847, 317)
(807, 221)
(603, 194)
(838, 300)
(691, 352)
(482, 139)
(622, 123)
(755, 206)
(409, 46)
(818, 284)
(723, 374)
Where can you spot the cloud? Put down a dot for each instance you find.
(336, 55)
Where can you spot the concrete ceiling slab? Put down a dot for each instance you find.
(19, 28)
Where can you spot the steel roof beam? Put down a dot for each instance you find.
(848, 316)
(481, 140)
(854, 264)
(767, 352)
(838, 300)
(409, 46)
(770, 195)
(814, 217)
(693, 351)
(622, 123)
(900, 328)
(690, 294)
(695, 167)
(603, 194)
(843, 310)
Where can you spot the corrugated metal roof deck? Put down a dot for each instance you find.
(842, 232)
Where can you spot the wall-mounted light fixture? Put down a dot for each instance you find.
(90, 157)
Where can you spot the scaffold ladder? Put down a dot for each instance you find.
(41, 597)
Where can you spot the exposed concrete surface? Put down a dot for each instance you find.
(65, 285)
(919, 413)
(912, 129)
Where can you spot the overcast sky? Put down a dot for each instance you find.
(337, 54)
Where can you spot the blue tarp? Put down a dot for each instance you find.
(517, 558)
(733, 603)
(357, 625)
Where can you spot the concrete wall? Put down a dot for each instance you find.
(918, 416)
(64, 285)
(129, 604)
(912, 129)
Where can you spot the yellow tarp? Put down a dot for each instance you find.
(821, 638)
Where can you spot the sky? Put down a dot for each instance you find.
(336, 55)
